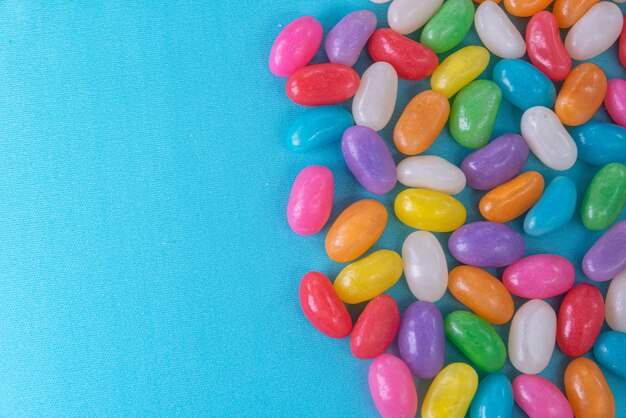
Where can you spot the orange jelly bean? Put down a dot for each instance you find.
(568, 12)
(588, 391)
(421, 122)
(581, 95)
(511, 199)
(354, 231)
(525, 8)
(482, 293)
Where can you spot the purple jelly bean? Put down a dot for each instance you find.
(607, 257)
(345, 41)
(421, 339)
(486, 244)
(495, 163)
(369, 159)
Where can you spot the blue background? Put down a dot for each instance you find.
(146, 265)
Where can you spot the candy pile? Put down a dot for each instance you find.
(470, 107)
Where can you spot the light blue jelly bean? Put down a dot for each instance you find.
(318, 126)
(554, 209)
(493, 399)
(600, 143)
(610, 351)
(523, 84)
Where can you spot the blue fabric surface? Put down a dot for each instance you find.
(147, 268)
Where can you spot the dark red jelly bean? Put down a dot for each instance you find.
(545, 46)
(376, 328)
(580, 319)
(322, 84)
(322, 307)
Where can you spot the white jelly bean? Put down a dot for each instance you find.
(547, 138)
(431, 172)
(376, 97)
(532, 336)
(407, 16)
(595, 32)
(497, 32)
(425, 266)
(616, 303)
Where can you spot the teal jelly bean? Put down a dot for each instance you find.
(318, 126)
(600, 143)
(523, 84)
(554, 209)
(494, 398)
(610, 351)
(474, 113)
(447, 28)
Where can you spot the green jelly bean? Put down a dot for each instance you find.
(605, 197)
(477, 339)
(447, 28)
(474, 112)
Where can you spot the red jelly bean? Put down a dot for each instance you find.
(322, 84)
(410, 59)
(545, 46)
(580, 319)
(622, 44)
(376, 328)
(322, 307)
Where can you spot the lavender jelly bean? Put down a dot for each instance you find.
(607, 257)
(345, 41)
(495, 163)
(369, 159)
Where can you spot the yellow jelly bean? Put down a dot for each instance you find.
(369, 277)
(459, 69)
(451, 393)
(429, 210)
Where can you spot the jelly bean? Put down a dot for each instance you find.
(295, 46)
(346, 39)
(322, 84)
(600, 143)
(580, 319)
(525, 8)
(545, 47)
(392, 387)
(421, 122)
(311, 200)
(554, 209)
(595, 32)
(425, 266)
(375, 99)
(607, 256)
(494, 398)
(605, 197)
(588, 391)
(486, 244)
(354, 231)
(615, 101)
(497, 32)
(610, 352)
(568, 12)
(532, 336)
(481, 292)
(582, 94)
(547, 138)
(495, 163)
(451, 392)
(539, 276)
(407, 16)
(459, 69)
(523, 85)
(369, 277)
(616, 303)
(429, 210)
(322, 307)
(447, 28)
(411, 60)
(421, 341)
(477, 339)
(513, 198)
(540, 398)
(376, 328)
(317, 127)
(369, 159)
(474, 113)
(431, 172)
(622, 44)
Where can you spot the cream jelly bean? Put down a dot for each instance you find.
(532, 336)
(615, 304)
(392, 387)
(375, 99)
(497, 32)
(295, 46)
(346, 40)
(539, 276)
(311, 200)
(425, 266)
(459, 69)
(407, 16)
(451, 392)
(431, 172)
(595, 32)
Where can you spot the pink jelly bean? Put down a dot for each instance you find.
(615, 101)
(311, 200)
(539, 398)
(539, 276)
(295, 46)
(392, 387)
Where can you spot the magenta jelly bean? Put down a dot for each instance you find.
(295, 46)
(347, 39)
(539, 398)
(539, 276)
(392, 387)
(607, 256)
(615, 101)
(311, 200)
